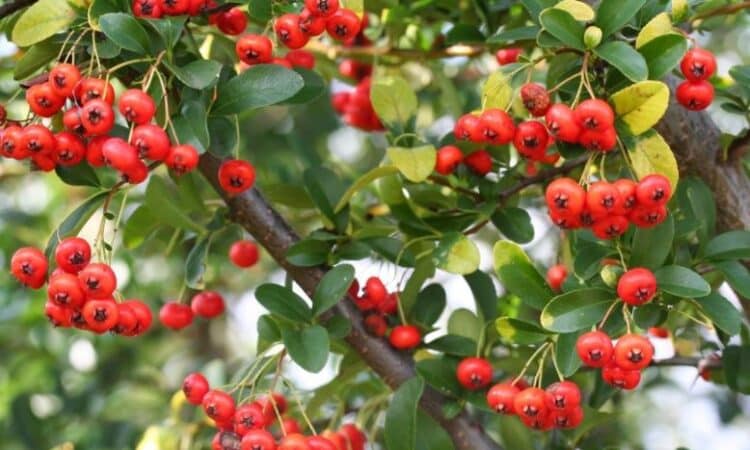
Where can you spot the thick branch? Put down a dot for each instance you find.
(9, 8)
(252, 212)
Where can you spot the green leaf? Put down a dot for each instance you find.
(41, 20)
(516, 436)
(79, 175)
(563, 26)
(701, 202)
(651, 246)
(125, 30)
(484, 293)
(496, 91)
(169, 28)
(465, 323)
(430, 435)
(416, 163)
(736, 275)
(195, 263)
(663, 53)
(338, 327)
(651, 154)
(198, 74)
(649, 315)
(736, 361)
(515, 331)
(224, 138)
(393, 100)
(729, 245)
(423, 270)
(682, 282)
(641, 105)
(160, 202)
(308, 347)
(579, 10)
(290, 195)
(308, 253)
(325, 189)
(624, 58)
(35, 58)
(283, 302)
(535, 7)
(440, 373)
(721, 312)
(611, 16)
(256, 87)
(515, 224)
(657, 27)
(519, 276)
(456, 253)
(576, 310)
(567, 360)
(364, 181)
(401, 416)
(463, 33)
(429, 306)
(314, 87)
(454, 345)
(73, 223)
(527, 33)
(138, 227)
(332, 288)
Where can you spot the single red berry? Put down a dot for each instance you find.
(531, 403)
(599, 140)
(290, 426)
(143, 315)
(150, 9)
(535, 98)
(556, 276)
(566, 197)
(497, 127)
(375, 290)
(695, 95)
(602, 199)
(343, 24)
(100, 315)
(561, 123)
(564, 395)
(354, 438)
(594, 114)
(94, 88)
(258, 440)
(594, 348)
(207, 304)
(469, 127)
(567, 418)
(232, 22)
(506, 56)
(151, 142)
(620, 378)
(11, 143)
(137, 106)
(610, 227)
(136, 174)
(127, 321)
(119, 154)
(175, 316)
(376, 324)
(73, 254)
(647, 217)
(97, 117)
(63, 79)
(531, 139)
(254, 49)
(218, 405)
(65, 290)
(301, 58)
(175, 7)
(267, 403)
(249, 417)
(282, 62)
(289, 32)
(310, 24)
(626, 187)
(633, 352)
(480, 162)
(182, 159)
(293, 442)
(70, 149)
(389, 306)
(37, 140)
(698, 64)
(351, 68)
(653, 190)
(448, 158)
(474, 373)
(405, 337)
(201, 7)
(501, 396)
(98, 281)
(43, 100)
(236, 176)
(243, 254)
(322, 8)
(72, 121)
(319, 443)
(58, 316)
(659, 332)
(637, 286)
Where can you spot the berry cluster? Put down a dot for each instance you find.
(80, 293)
(450, 156)
(696, 93)
(622, 362)
(255, 49)
(250, 423)
(356, 108)
(608, 208)
(557, 406)
(378, 305)
(231, 21)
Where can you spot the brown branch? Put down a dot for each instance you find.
(739, 147)
(543, 176)
(721, 11)
(252, 212)
(332, 52)
(9, 8)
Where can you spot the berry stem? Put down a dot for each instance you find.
(529, 361)
(628, 319)
(564, 82)
(607, 314)
(560, 375)
(295, 394)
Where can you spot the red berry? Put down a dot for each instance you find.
(207, 304)
(182, 159)
(566, 197)
(659, 332)
(175, 7)
(151, 142)
(293, 442)
(599, 140)
(232, 22)
(94, 152)
(594, 114)
(610, 227)
(195, 386)
(310, 24)
(38, 140)
(531, 139)
(695, 95)
(653, 190)
(594, 348)
(531, 403)
(507, 55)
(267, 403)
(200, 7)
(637, 286)
(469, 127)
(98, 281)
(301, 58)
(621, 378)
(633, 352)
(143, 315)
(58, 316)
(69, 150)
(343, 25)
(258, 440)
(698, 64)
(561, 123)
(319, 443)
(43, 162)
(236, 176)
(65, 290)
(647, 217)
(375, 290)
(474, 373)
(564, 395)
(535, 98)
(94, 88)
(147, 8)
(389, 306)
(97, 117)
(43, 100)
(289, 426)
(119, 154)
(73, 254)
(175, 316)
(376, 324)
(567, 418)
(127, 321)
(626, 188)
(405, 337)
(72, 121)
(351, 68)
(501, 396)
(282, 62)
(480, 162)
(556, 276)
(254, 49)
(100, 315)
(448, 158)
(289, 32)
(249, 417)
(218, 405)
(137, 106)
(602, 199)
(322, 8)
(497, 127)
(11, 143)
(354, 438)
(243, 254)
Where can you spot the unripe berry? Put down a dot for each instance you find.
(592, 37)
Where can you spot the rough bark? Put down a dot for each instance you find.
(252, 212)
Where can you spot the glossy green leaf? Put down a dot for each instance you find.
(401, 416)
(563, 26)
(283, 302)
(313, 88)
(519, 276)
(456, 253)
(160, 202)
(612, 16)
(729, 245)
(308, 253)
(308, 347)
(364, 181)
(73, 223)
(681, 281)
(515, 331)
(736, 361)
(416, 163)
(567, 360)
(649, 315)
(663, 53)
(721, 312)
(79, 175)
(485, 295)
(393, 100)
(256, 87)
(423, 270)
(125, 30)
(576, 310)
(430, 435)
(463, 322)
(527, 33)
(429, 306)
(332, 288)
(199, 74)
(338, 327)
(138, 227)
(224, 137)
(440, 373)
(169, 28)
(290, 195)
(515, 224)
(737, 275)
(41, 20)
(453, 345)
(625, 59)
(36, 57)
(651, 246)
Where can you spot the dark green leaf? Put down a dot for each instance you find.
(729, 245)
(625, 59)
(338, 327)
(440, 373)
(721, 312)
(429, 306)
(195, 263)
(736, 362)
(224, 136)
(268, 332)
(288, 195)
(36, 57)
(314, 87)
(401, 416)
(515, 224)
(325, 189)
(257, 87)
(124, 30)
(464, 33)
(260, 10)
(663, 53)
(453, 345)
(484, 293)
(649, 315)
(651, 246)
(576, 310)
(563, 26)
(519, 276)
(307, 347)
(332, 288)
(535, 7)
(79, 175)
(430, 435)
(160, 202)
(283, 302)
(515, 435)
(681, 281)
(138, 227)
(567, 359)
(169, 29)
(308, 252)
(199, 74)
(515, 331)
(423, 270)
(737, 276)
(515, 34)
(611, 16)
(73, 223)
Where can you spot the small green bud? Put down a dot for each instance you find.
(611, 274)
(592, 37)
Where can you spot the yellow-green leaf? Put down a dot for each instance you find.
(358, 6)
(651, 154)
(579, 10)
(42, 20)
(363, 181)
(641, 105)
(416, 163)
(456, 253)
(393, 100)
(660, 25)
(679, 9)
(497, 91)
